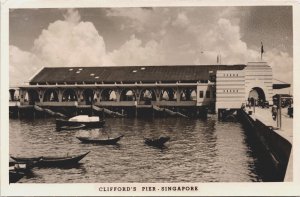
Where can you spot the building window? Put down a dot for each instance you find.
(207, 94)
(201, 94)
(214, 94)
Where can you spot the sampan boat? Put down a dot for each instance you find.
(45, 161)
(158, 142)
(15, 176)
(88, 121)
(19, 169)
(108, 141)
(73, 127)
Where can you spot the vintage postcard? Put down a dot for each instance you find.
(135, 98)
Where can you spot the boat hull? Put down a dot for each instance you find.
(100, 141)
(95, 124)
(73, 127)
(160, 142)
(15, 176)
(53, 161)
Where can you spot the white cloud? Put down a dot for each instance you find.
(136, 17)
(72, 16)
(22, 65)
(282, 65)
(181, 20)
(133, 52)
(70, 44)
(169, 36)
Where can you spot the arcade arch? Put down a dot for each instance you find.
(69, 95)
(88, 96)
(147, 95)
(108, 95)
(128, 95)
(50, 95)
(188, 95)
(31, 97)
(168, 94)
(14, 95)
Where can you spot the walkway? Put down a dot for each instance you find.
(286, 131)
(265, 116)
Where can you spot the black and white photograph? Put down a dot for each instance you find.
(148, 99)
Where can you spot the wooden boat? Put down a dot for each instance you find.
(19, 169)
(88, 121)
(15, 176)
(52, 161)
(107, 141)
(158, 142)
(69, 128)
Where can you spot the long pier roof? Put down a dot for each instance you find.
(128, 74)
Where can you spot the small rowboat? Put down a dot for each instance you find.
(88, 121)
(158, 142)
(19, 169)
(52, 161)
(108, 141)
(74, 127)
(15, 176)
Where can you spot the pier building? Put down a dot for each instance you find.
(198, 87)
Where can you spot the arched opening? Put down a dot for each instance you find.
(108, 95)
(14, 95)
(88, 96)
(69, 95)
(50, 95)
(193, 95)
(188, 95)
(147, 95)
(96, 95)
(32, 96)
(128, 95)
(168, 94)
(256, 96)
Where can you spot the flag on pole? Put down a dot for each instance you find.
(261, 50)
(217, 59)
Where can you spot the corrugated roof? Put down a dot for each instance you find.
(128, 74)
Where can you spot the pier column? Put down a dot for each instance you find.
(60, 94)
(98, 95)
(157, 92)
(41, 93)
(138, 95)
(22, 96)
(178, 93)
(79, 94)
(118, 94)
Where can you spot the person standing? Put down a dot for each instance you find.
(274, 112)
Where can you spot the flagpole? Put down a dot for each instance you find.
(261, 51)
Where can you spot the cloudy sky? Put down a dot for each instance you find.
(149, 36)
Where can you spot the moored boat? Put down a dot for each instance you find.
(45, 161)
(15, 176)
(108, 141)
(73, 127)
(17, 170)
(88, 121)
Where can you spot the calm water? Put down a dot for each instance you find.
(199, 151)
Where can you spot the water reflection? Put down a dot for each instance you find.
(199, 151)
